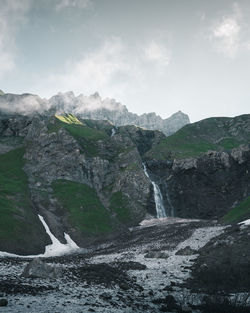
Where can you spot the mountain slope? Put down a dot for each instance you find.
(216, 133)
(83, 178)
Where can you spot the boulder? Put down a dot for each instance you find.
(39, 269)
(186, 251)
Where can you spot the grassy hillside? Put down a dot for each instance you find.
(240, 213)
(119, 204)
(18, 222)
(85, 132)
(85, 210)
(219, 133)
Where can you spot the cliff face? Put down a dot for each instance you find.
(216, 179)
(207, 186)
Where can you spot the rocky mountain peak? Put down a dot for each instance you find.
(94, 107)
(90, 107)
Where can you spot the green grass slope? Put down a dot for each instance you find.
(240, 213)
(218, 133)
(119, 204)
(83, 207)
(85, 132)
(18, 222)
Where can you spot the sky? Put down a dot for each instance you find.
(151, 55)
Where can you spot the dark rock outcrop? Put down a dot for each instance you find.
(207, 186)
(223, 264)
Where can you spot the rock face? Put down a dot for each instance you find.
(207, 186)
(208, 183)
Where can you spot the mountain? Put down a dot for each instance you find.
(94, 107)
(83, 178)
(216, 133)
(93, 180)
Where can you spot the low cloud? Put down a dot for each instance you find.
(68, 103)
(23, 104)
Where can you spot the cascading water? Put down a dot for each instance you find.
(159, 206)
(113, 132)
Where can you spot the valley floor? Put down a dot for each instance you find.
(154, 267)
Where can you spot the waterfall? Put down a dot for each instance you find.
(113, 132)
(159, 206)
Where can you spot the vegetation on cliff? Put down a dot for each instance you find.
(86, 212)
(18, 219)
(239, 213)
(216, 133)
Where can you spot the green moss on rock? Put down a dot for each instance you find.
(239, 213)
(85, 209)
(218, 134)
(120, 205)
(18, 221)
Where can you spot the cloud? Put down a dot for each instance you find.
(80, 4)
(23, 104)
(12, 14)
(226, 33)
(106, 69)
(157, 53)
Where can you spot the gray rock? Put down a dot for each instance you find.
(156, 254)
(118, 114)
(186, 251)
(39, 269)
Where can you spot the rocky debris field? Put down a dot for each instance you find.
(166, 265)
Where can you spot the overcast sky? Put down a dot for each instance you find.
(151, 55)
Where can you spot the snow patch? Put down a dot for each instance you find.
(55, 249)
(246, 222)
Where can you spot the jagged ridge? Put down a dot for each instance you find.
(92, 107)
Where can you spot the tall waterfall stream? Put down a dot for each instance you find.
(159, 206)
